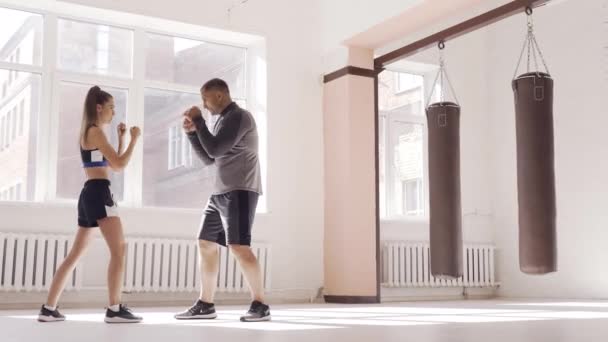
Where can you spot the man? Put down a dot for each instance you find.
(232, 147)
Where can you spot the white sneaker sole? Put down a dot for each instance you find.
(42, 318)
(120, 320)
(262, 319)
(209, 316)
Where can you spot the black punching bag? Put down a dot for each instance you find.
(535, 172)
(443, 120)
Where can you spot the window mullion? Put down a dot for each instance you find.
(48, 116)
(135, 117)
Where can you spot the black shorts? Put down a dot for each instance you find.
(228, 218)
(95, 203)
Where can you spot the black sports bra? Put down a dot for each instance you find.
(92, 158)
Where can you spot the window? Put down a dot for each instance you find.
(11, 192)
(21, 117)
(382, 161)
(21, 159)
(175, 68)
(2, 131)
(103, 48)
(25, 26)
(20, 47)
(163, 170)
(18, 192)
(180, 149)
(402, 145)
(413, 199)
(175, 148)
(406, 169)
(165, 183)
(406, 82)
(10, 74)
(7, 130)
(95, 49)
(14, 122)
(187, 150)
(182, 61)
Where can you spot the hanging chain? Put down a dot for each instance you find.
(532, 46)
(451, 88)
(530, 32)
(531, 39)
(540, 53)
(428, 100)
(441, 74)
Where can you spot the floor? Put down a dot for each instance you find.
(470, 321)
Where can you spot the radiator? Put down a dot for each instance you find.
(28, 262)
(407, 264)
(172, 265)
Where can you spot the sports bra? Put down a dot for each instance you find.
(92, 158)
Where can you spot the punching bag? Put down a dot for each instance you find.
(533, 93)
(443, 119)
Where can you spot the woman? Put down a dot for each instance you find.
(96, 206)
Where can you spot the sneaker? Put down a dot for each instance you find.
(200, 310)
(123, 315)
(47, 315)
(258, 312)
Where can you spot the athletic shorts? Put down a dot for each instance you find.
(95, 203)
(228, 218)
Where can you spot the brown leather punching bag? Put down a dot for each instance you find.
(535, 172)
(443, 120)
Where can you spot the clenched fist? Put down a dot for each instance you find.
(121, 129)
(188, 125)
(135, 132)
(193, 113)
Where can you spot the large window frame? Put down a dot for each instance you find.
(52, 77)
(386, 122)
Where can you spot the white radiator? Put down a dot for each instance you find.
(407, 264)
(172, 265)
(28, 262)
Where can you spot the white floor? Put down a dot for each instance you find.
(470, 321)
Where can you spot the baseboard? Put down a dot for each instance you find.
(351, 299)
(392, 294)
(92, 298)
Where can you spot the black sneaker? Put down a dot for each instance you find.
(124, 315)
(258, 312)
(200, 310)
(47, 315)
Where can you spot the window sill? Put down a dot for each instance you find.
(405, 219)
(72, 204)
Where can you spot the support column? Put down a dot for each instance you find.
(351, 245)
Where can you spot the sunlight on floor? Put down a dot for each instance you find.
(334, 317)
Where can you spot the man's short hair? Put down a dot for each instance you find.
(216, 84)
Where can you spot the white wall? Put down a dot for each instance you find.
(481, 66)
(571, 37)
(343, 19)
(466, 67)
(294, 224)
